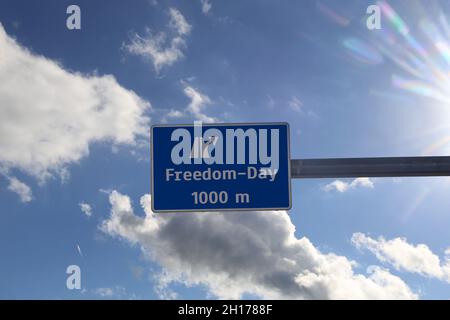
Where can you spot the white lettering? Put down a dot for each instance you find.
(249, 146)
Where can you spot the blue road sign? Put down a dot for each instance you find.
(216, 167)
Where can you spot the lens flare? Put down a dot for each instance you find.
(421, 56)
(362, 51)
(332, 15)
(428, 65)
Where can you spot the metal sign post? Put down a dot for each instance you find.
(370, 167)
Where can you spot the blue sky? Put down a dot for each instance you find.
(346, 91)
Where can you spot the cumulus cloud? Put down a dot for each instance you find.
(342, 186)
(49, 116)
(86, 208)
(405, 256)
(206, 6)
(237, 253)
(161, 48)
(22, 190)
(196, 107)
(175, 114)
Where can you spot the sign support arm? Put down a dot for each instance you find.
(370, 167)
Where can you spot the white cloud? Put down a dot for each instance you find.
(195, 109)
(295, 104)
(337, 185)
(197, 105)
(362, 182)
(153, 47)
(50, 116)
(160, 49)
(116, 292)
(178, 22)
(175, 114)
(235, 253)
(206, 6)
(104, 292)
(86, 208)
(342, 186)
(22, 190)
(405, 256)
